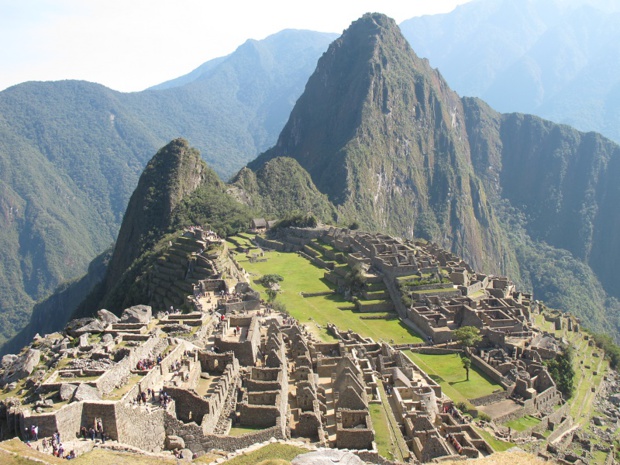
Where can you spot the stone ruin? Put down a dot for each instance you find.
(233, 363)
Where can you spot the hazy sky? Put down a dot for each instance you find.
(130, 45)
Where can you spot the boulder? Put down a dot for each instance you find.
(107, 317)
(86, 392)
(22, 366)
(83, 325)
(94, 326)
(137, 314)
(107, 339)
(174, 442)
(8, 360)
(614, 399)
(186, 454)
(66, 391)
(84, 340)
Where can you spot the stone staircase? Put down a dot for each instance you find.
(230, 404)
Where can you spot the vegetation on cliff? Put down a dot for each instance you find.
(176, 190)
(281, 186)
(71, 153)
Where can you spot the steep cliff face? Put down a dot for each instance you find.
(381, 134)
(563, 182)
(172, 174)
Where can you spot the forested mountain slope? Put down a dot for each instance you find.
(71, 153)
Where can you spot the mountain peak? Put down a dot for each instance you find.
(381, 133)
(175, 171)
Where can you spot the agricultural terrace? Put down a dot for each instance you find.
(302, 276)
(590, 367)
(448, 371)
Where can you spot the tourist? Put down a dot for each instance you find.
(92, 433)
(71, 455)
(35, 433)
(83, 432)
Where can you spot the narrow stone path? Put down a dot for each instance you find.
(330, 416)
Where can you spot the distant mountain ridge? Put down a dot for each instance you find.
(558, 59)
(71, 153)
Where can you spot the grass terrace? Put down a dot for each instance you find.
(448, 371)
(523, 423)
(302, 276)
(496, 444)
(436, 291)
(241, 430)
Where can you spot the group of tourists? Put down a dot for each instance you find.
(150, 394)
(94, 432)
(32, 433)
(146, 364)
(57, 448)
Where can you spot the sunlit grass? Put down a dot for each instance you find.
(448, 371)
(302, 276)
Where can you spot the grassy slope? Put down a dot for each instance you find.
(449, 372)
(302, 276)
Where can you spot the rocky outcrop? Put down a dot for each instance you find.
(107, 317)
(66, 391)
(18, 367)
(137, 314)
(86, 392)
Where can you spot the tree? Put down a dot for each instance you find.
(466, 361)
(468, 336)
(356, 278)
(271, 294)
(270, 279)
(562, 371)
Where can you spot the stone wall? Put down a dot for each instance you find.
(489, 371)
(119, 374)
(354, 429)
(200, 443)
(106, 410)
(269, 244)
(561, 429)
(191, 407)
(490, 399)
(242, 306)
(365, 307)
(259, 415)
